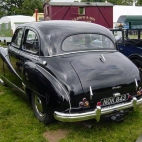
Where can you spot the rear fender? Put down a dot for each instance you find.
(28, 75)
(44, 82)
(52, 84)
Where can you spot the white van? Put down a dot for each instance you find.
(8, 25)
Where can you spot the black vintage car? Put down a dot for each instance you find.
(71, 71)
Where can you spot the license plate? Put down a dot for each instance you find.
(113, 100)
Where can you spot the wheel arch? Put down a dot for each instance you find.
(137, 60)
(135, 56)
(54, 85)
(45, 82)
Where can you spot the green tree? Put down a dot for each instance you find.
(17, 7)
(1, 13)
(93, 0)
(28, 7)
(139, 2)
(127, 2)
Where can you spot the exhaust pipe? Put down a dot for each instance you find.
(113, 118)
(119, 117)
(1, 82)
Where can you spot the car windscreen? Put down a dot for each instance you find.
(87, 41)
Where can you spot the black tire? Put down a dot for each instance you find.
(138, 63)
(41, 109)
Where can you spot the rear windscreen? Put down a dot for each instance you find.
(87, 41)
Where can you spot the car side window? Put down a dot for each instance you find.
(31, 42)
(132, 34)
(17, 38)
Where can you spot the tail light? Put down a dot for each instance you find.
(139, 92)
(98, 103)
(129, 97)
(84, 103)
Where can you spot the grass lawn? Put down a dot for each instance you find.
(18, 124)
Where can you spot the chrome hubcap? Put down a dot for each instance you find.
(38, 106)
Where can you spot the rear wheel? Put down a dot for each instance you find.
(41, 110)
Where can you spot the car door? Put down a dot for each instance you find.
(12, 69)
(29, 56)
(133, 43)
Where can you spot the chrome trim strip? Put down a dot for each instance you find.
(27, 53)
(102, 57)
(9, 83)
(1, 81)
(116, 87)
(136, 83)
(58, 83)
(96, 113)
(91, 93)
(24, 86)
(79, 52)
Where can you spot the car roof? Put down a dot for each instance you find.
(68, 25)
(55, 31)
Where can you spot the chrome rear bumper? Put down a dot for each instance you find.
(74, 117)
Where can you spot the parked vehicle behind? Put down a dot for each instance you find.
(8, 24)
(130, 44)
(71, 71)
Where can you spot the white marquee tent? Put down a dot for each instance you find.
(119, 10)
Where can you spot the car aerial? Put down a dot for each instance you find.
(130, 44)
(71, 71)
